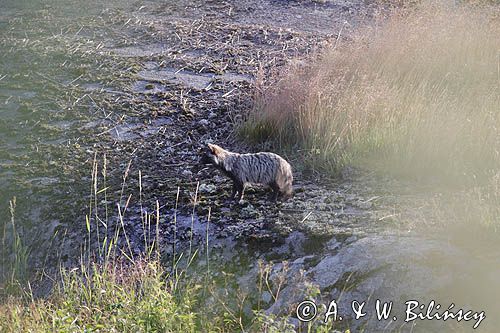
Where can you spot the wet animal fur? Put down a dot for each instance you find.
(259, 168)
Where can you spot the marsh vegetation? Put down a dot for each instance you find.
(415, 94)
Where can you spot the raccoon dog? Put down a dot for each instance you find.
(259, 168)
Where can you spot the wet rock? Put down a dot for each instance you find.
(177, 76)
(333, 244)
(207, 188)
(249, 211)
(302, 260)
(391, 268)
(266, 297)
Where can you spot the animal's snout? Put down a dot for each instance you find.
(204, 159)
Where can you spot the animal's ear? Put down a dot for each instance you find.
(216, 150)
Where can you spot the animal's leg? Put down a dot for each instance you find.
(235, 189)
(276, 191)
(241, 190)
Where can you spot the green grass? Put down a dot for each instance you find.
(14, 267)
(124, 298)
(416, 95)
(142, 296)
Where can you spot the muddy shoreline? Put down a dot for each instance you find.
(194, 77)
(143, 89)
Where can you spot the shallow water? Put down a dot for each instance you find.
(44, 111)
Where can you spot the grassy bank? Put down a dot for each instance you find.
(143, 296)
(417, 95)
(112, 297)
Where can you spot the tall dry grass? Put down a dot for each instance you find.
(417, 94)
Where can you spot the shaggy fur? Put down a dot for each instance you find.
(259, 168)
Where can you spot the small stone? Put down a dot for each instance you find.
(249, 211)
(207, 188)
(266, 297)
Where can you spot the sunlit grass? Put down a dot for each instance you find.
(416, 95)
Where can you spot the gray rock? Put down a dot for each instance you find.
(207, 188)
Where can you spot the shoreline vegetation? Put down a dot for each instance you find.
(415, 96)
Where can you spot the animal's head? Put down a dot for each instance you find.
(213, 154)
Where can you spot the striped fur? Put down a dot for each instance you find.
(259, 168)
